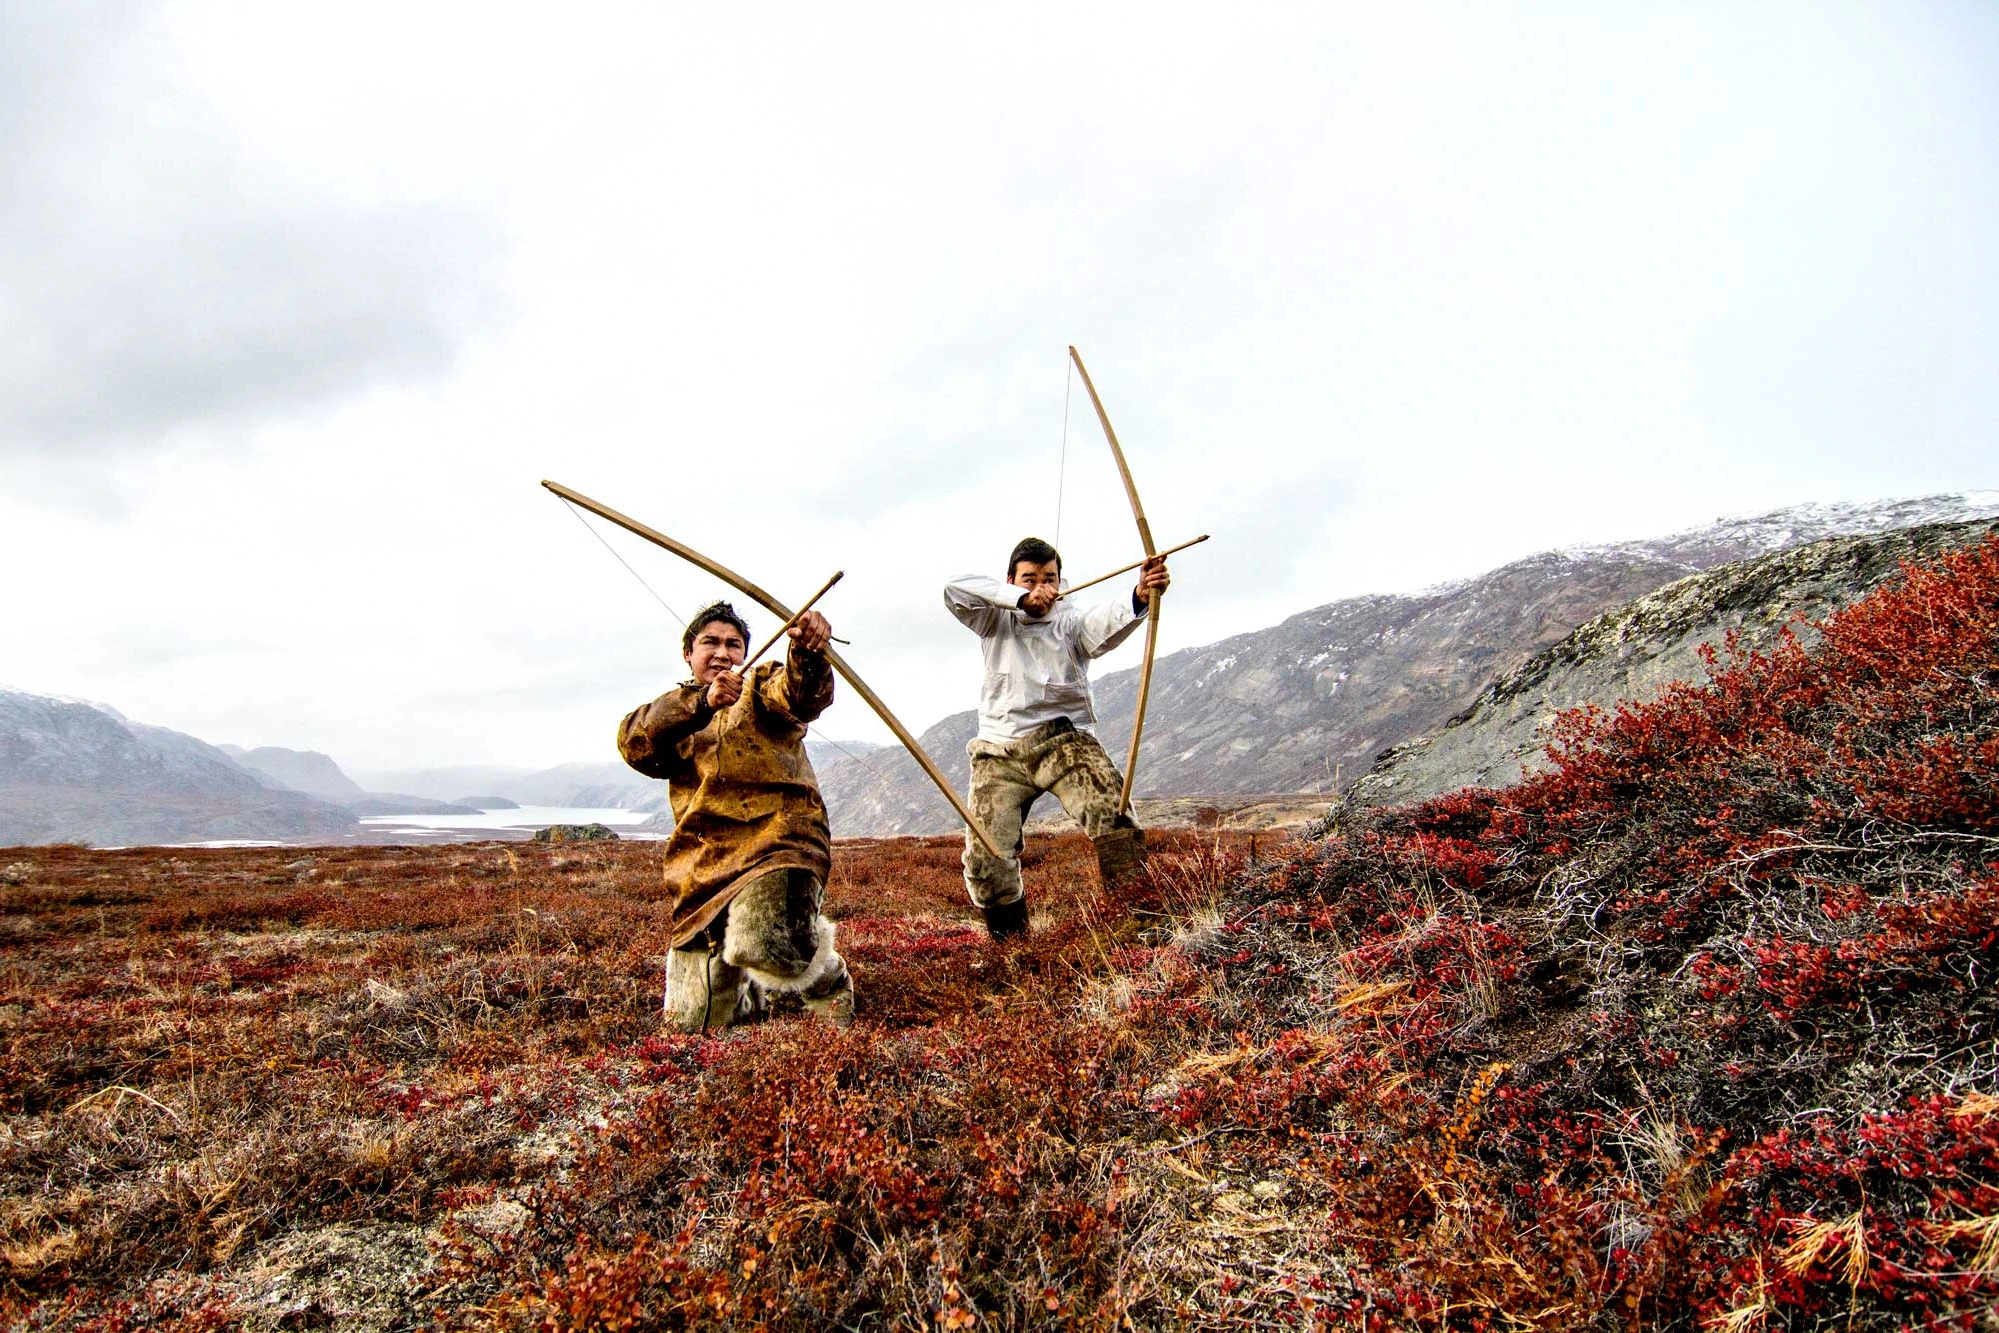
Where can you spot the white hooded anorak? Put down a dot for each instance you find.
(1036, 670)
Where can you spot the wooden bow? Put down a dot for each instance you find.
(783, 612)
(1152, 622)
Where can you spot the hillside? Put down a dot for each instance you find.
(1693, 1031)
(1309, 704)
(1636, 651)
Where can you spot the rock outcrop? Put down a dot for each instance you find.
(575, 833)
(1637, 650)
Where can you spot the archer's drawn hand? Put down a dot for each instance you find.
(1038, 599)
(811, 632)
(725, 689)
(1154, 579)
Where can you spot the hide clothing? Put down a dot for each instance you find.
(1006, 779)
(747, 862)
(1037, 727)
(1035, 670)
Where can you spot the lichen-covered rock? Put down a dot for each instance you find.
(362, 1276)
(575, 833)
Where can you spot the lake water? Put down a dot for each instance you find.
(486, 826)
(523, 822)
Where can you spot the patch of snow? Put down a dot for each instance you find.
(228, 842)
(1223, 665)
(64, 699)
(1799, 524)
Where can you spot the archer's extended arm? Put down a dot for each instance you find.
(653, 737)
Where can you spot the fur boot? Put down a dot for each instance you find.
(777, 937)
(831, 998)
(704, 994)
(764, 971)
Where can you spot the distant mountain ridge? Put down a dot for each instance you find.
(604, 784)
(1307, 705)
(72, 771)
(1304, 706)
(607, 783)
(441, 783)
(308, 771)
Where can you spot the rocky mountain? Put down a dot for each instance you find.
(72, 771)
(1635, 651)
(308, 771)
(1307, 705)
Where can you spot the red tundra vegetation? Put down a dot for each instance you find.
(1695, 1030)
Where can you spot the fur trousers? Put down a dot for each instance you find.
(1006, 780)
(770, 938)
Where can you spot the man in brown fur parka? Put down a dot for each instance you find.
(746, 865)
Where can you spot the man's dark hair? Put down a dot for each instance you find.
(708, 615)
(1035, 552)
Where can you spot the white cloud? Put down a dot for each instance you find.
(1376, 297)
(160, 283)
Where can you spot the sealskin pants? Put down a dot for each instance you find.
(771, 937)
(1006, 779)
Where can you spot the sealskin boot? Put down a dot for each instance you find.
(836, 1009)
(1007, 920)
(831, 998)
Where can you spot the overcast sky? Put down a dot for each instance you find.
(298, 304)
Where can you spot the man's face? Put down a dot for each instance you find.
(1028, 575)
(718, 647)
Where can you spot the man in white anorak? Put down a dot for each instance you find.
(1037, 726)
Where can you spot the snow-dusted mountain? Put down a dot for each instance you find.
(1745, 536)
(1307, 705)
(73, 771)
